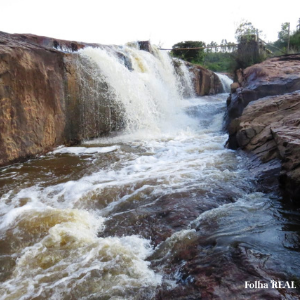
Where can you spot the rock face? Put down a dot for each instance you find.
(41, 98)
(263, 118)
(205, 81)
(31, 99)
(275, 76)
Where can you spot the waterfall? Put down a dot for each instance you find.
(143, 86)
(185, 78)
(226, 82)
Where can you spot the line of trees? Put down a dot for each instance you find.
(228, 58)
(213, 58)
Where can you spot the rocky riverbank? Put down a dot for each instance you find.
(263, 119)
(43, 91)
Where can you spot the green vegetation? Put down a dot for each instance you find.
(220, 59)
(193, 56)
(287, 39)
(227, 57)
(245, 31)
(210, 58)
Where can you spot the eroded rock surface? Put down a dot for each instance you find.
(275, 76)
(206, 82)
(41, 97)
(263, 118)
(31, 99)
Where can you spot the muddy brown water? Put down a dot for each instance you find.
(162, 216)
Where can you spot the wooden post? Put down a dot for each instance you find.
(288, 45)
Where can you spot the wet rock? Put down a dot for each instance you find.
(205, 81)
(262, 118)
(42, 95)
(145, 45)
(234, 86)
(275, 76)
(269, 128)
(204, 271)
(31, 99)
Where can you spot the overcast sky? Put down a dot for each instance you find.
(163, 22)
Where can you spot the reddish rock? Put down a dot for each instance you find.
(31, 99)
(275, 76)
(41, 98)
(205, 81)
(270, 128)
(263, 118)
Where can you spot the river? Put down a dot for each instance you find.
(160, 210)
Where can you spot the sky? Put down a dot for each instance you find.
(163, 22)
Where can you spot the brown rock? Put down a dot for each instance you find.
(234, 86)
(205, 81)
(270, 128)
(42, 96)
(31, 99)
(275, 76)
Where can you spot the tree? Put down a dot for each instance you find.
(193, 56)
(282, 41)
(284, 33)
(245, 31)
(249, 49)
(295, 41)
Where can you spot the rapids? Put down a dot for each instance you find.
(160, 210)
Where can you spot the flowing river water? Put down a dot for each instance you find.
(160, 210)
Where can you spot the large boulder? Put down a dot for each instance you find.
(263, 119)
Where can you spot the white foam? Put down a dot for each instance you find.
(226, 82)
(151, 93)
(84, 150)
(72, 257)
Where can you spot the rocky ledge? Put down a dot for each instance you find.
(263, 118)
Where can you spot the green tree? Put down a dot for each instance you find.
(295, 41)
(284, 33)
(249, 48)
(282, 41)
(245, 31)
(222, 60)
(190, 55)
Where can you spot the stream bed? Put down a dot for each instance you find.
(146, 215)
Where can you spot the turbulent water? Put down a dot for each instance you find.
(159, 211)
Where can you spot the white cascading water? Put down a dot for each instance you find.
(226, 82)
(151, 93)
